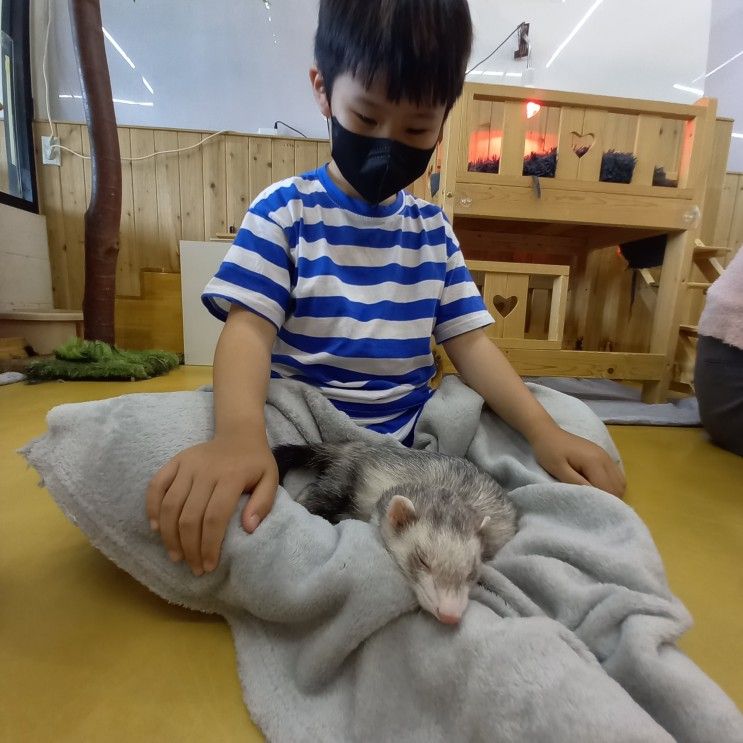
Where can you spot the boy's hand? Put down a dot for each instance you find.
(573, 459)
(192, 498)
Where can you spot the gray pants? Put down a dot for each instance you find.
(718, 379)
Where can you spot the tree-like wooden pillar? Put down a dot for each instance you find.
(103, 217)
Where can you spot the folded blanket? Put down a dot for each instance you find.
(569, 637)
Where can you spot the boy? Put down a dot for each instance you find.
(338, 278)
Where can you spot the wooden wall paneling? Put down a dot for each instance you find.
(238, 179)
(323, 153)
(74, 204)
(715, 179)
(735, 238)
(167, 170)
(305, 156)
(127, 265)
(87, 166)
(261, 171)
(214, 177)
(282, 159)
(144, 189)
(726, 209)
(50, 205)
(192, 187)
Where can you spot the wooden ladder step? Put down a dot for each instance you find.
(698, 284)
(709, 251)
(685, 329)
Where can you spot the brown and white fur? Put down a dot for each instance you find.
(438, 516)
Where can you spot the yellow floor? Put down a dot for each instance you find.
(87, 654)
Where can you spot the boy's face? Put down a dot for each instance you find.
(368, 111)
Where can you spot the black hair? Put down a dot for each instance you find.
(420, 48)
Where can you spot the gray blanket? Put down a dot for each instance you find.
(569, 637)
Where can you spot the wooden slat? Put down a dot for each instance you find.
(87, 168)
(619, 132)
(144, 187)
(260, 166)
(215, 185)
(726, 210)
(589, 166)
(597, 187)
(323, 153)
(238, 179)
(514, 128)
(558, 309)
(282, 159)
(571, 120)
(509, 267)
(735, 239)
(305, 156)
(574, 207)
(602, 102)
(168, 202)
(646, 148)
(669, 144)
(494, 284)
(127, 265)
(514, 324)
(74, 204)
(191, 186)
(558, 363)
(50, 205)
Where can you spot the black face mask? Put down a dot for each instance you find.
(377, 168)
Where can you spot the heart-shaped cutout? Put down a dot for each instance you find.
(505, 305)
(582, 143)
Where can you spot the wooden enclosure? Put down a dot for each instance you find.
(530, 175)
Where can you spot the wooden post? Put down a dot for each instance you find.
(103, 217)
(678, 256)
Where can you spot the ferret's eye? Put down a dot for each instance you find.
(422, 561)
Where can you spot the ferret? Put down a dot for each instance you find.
(438, 516)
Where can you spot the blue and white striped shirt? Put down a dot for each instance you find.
(355, 291)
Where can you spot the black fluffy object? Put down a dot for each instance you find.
(543, 166)
(617, 167)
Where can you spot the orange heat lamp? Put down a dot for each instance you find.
(532, 109)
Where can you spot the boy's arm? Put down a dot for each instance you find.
(192, 498)
(567, 457)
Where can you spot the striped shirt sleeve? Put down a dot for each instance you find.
(257, 271)
(461, 307)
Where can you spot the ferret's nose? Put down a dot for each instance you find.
(449, 618)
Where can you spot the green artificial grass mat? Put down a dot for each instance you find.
(94, 360)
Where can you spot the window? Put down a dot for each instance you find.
(17, 178)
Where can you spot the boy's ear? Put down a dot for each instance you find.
(318, 90)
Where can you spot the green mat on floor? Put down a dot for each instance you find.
(95, 360)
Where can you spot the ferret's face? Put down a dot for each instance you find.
(441, 563)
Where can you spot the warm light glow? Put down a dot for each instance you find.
(532, 109)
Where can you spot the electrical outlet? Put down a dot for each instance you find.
(50, 155)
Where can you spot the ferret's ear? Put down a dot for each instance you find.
(484, 524)
(401, 512)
